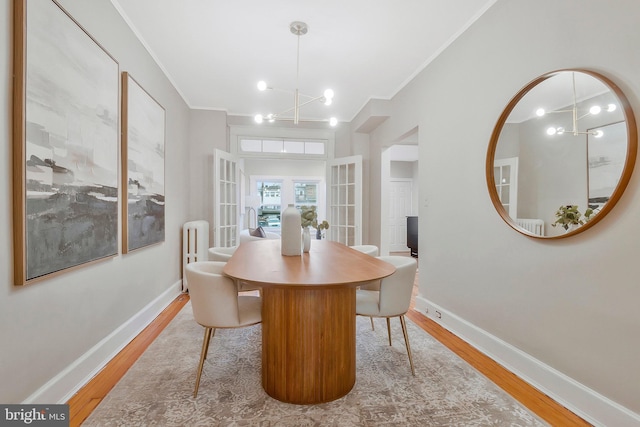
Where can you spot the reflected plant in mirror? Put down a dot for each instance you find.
(569, 216)
(568, 139)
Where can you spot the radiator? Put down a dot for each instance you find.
(533, 226)
(195, 245)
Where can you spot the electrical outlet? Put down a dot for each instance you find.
(438, 314)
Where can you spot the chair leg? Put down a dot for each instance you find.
(406, 341)
(372, 327)
(389, 329)
(212, 334)
(203, 355)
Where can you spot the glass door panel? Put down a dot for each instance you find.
(345, 188)
(505, 172)
(225, 198)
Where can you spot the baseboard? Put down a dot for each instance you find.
(581, 400)
(65, 384)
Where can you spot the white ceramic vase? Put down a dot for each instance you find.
(306, 239)
(290, 237)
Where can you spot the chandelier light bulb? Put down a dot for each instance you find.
(298, 29)
(611, 107)
(540, 112)
(595, 110)
(598, 134)
(551, 131)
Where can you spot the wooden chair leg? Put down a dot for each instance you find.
(372, 327)
(203, 354)
(389, 329)
(406, 341)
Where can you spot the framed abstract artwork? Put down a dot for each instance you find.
(143, 129)
(65, 144)
(606, 158)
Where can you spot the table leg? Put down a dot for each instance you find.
(308, 343)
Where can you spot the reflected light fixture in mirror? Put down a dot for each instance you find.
(561, 154)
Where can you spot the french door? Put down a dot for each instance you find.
(344, 181)
(505, 173)
(226, 198)
(344, 185)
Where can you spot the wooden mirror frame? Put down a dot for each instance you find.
(632, 148)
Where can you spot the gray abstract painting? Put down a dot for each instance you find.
(143, 148)
(71, 144)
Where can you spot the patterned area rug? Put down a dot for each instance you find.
(446, 391)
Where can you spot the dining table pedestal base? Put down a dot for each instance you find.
(308, 343)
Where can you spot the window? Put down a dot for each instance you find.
(275, 193)
(306, 193)
(283, 147)
(270, 203)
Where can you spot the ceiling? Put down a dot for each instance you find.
(215, 51)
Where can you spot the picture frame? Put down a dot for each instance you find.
(143, 145)
(65, 144)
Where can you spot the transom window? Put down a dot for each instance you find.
(283, 146)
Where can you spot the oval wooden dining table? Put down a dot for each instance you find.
(308, 315)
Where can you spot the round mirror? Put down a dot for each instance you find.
(561, 154)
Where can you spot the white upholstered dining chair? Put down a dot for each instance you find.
(374, 285)
(221, 254)
(216, 304)
(371, 250)
(393, 298)
(366, 249)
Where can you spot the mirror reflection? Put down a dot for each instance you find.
(559, 154)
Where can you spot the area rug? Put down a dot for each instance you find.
(446, 391)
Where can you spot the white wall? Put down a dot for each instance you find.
(567, 307)
(207, 132)
(401, 169)
(48, 329)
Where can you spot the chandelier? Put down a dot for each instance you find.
(299, 99)
(576, 115)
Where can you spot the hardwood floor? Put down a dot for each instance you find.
(88, 397)
(85, 401)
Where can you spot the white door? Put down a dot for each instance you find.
(226, 199)
(344, 181)
(505, 173)
(399, 208)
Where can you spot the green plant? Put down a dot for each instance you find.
(308, 216)
(569, 215)
(324, 225)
